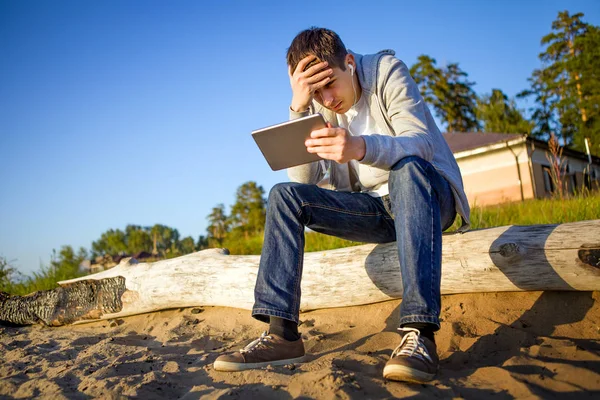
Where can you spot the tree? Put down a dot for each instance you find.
(431, 83)
(248, 212)
(568, 83)
(542, 117)
(461, 101)
(218, 226)
(111, 242)
(499, 114)
(187, 245)
(138, 239)
(449, 92)
(202, 243)
(164, 239)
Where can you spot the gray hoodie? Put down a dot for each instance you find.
(397, 106)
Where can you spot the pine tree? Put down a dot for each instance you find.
(248, 212)
(449, 92)
(567, 86)
(218, 226)
(499, 114)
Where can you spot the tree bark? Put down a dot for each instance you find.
(510, 258)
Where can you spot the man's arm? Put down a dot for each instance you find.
(407, 112)
(304, 82)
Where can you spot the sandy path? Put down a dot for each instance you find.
(538, 344)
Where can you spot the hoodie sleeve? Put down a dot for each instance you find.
(407, 112)
(311, 173)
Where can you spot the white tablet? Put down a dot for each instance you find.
(283, 144)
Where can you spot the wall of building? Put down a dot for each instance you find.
(574, 177)
(492, 177)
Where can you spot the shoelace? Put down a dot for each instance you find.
(264, 337)
(412, 345)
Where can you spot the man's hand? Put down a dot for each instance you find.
(306, 83)
(336, 144)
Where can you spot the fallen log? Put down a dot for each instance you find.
(510, 258)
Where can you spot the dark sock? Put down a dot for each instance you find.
(284, 328)
(426, 329)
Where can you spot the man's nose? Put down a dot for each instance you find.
(327, 98)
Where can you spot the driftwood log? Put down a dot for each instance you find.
(510, 258)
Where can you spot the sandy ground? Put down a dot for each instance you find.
(504, 345)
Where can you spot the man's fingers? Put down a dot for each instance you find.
(323, 132)
(316, 68)
(316, 86)
(320, 76)
(320, 149)
(304, 62)
(324, 141)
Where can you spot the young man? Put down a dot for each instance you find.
(388, 175)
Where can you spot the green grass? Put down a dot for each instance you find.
(66, 266)
(534, 212)
(316, 241)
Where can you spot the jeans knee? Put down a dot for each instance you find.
(408, 163)
(286, 194)
(280, 191)
(407, 169)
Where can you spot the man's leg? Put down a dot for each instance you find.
(291, 207)
(422, 203)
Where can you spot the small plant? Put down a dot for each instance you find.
(557, 165)
(8, 275)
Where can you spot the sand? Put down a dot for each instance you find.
(505, 345)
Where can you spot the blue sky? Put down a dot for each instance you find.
(140, 112)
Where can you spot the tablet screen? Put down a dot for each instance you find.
(283, 146)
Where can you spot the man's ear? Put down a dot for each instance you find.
(349, 59)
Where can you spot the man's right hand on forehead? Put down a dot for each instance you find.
(306, 81)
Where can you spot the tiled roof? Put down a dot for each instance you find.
(459, 141)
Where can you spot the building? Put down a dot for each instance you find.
(499, 167)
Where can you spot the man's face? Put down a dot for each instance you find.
(338, 95)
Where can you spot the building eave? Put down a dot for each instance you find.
(491, 147)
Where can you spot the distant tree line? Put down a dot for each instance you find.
(245, 222)
(159, 240)
(565, 90)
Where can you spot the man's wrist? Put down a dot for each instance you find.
(298, 109)
(361, 149)
(299, 105)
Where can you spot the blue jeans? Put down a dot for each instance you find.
(422, 204)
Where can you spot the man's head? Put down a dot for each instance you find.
(321, 42)
(343, 90)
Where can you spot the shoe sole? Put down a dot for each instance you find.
(406, 374)
(226, 366)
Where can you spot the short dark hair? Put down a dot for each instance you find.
(321, 42)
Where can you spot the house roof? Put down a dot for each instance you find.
(463, 141)
(466, 143)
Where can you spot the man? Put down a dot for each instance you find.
(387, 175)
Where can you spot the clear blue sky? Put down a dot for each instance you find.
(140, 112)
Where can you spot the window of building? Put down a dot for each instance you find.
(571, 177)
(548, 184)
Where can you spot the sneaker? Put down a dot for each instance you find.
(414, 360)
(268, 349)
